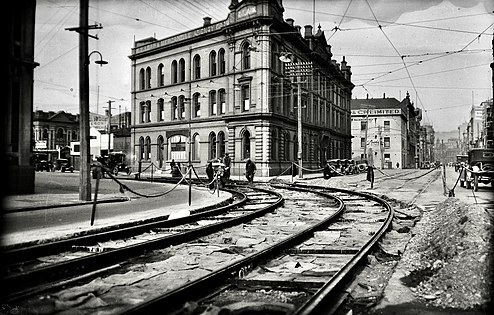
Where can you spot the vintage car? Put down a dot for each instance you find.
(114, 163)
(479, 168)
(461, 160)
(41, 162)
(361, 165)
(63, 165)
(332, 168)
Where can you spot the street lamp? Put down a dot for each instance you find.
(85, 170)
(100, 62)
(298, 70)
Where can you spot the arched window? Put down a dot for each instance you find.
(212, 64)
(161, 109)
(160, 152)
(174, 108)
(212, 146)
(274, 145)
(246, 56)
(60, 134)
(161, 75)
(221, 144)
(148, 77)
(174, 71)
(222, 101)
(142, 80)
(213, 106)
(287, 146)
(221, 61)
(196, 105)
(142, 107)
(141, 148)
(148, 149)
(246, 144)
(148, 111)
(196, 149)
(181, 107)
(197, 67)
(181, 70)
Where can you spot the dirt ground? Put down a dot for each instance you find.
(441, 262)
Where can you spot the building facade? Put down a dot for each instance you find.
(54, 131)
(17, 111)
(223, 88)
(426, 151)
(385, 132)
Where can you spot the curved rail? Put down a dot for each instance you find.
(324, 302)
(24, 283)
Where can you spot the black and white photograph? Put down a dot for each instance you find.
(273, 157)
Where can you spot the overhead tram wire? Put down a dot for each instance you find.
(433, 58)
(411, 24)
(336, 28)
(399, 55)
(160, 12)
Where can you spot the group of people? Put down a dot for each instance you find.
(221, 167)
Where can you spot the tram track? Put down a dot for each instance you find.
(27, 269)
(227, 269)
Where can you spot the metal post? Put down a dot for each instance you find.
(299, 127)
(84, 175)
(109, 125)
(366, 129)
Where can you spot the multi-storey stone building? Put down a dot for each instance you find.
(385, 132)
(223, 88)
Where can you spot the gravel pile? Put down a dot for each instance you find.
(449, 259)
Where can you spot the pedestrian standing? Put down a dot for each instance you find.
(370, 175)
(227, 160)
(250, 170)
(210, 174)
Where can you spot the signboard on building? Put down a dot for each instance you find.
(40, 145)
(376, 112)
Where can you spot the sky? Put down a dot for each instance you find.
(439, 51)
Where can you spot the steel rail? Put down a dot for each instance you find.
(17, 283)
(175, 298)
(24, 253)
(325, 300)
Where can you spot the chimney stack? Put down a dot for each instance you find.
(207, 21)
(308, 31)
(290, 21)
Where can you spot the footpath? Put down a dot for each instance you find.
(54, 211)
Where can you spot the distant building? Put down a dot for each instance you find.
(223, 88)
(479, 126)
(427, 143)
(385, 132)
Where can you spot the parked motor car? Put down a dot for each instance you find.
(41, 162)
(479, 168)
(63, 165)
(115, 163)
(361, 165)
(332, 168)
(461, 160)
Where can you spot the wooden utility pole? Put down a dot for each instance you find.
(85, 171)
(85, 153)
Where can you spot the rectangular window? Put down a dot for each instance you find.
(387, 125)
(387, 143)
(387, 156)
(222, 102)
(162, 111)
(245, 97)
(363, 125)
(362, 142)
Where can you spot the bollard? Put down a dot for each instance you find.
(93, 213)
